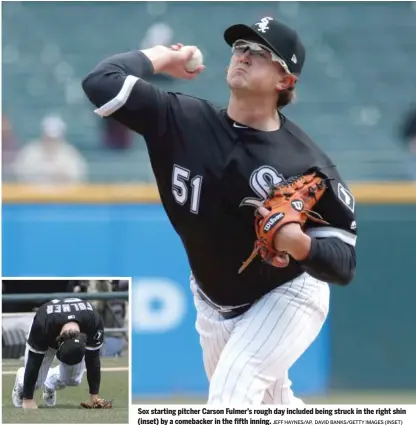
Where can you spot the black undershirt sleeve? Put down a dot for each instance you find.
(93, 365)
(331, 260)
(332, 257)
(32, 368)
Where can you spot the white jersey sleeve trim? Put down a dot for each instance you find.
(119, 101)
(94, 348)
(333, 232)
(35, 351)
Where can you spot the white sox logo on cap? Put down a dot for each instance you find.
(282, 40)
(263, 25)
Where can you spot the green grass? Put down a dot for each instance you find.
(114, 385)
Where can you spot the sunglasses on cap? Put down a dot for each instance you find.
(256, 49)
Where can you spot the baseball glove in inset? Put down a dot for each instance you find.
(288, 202)
(98, 404)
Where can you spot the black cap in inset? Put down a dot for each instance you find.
(278, 37)
(71, 351)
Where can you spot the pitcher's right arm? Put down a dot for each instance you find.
(117, 87)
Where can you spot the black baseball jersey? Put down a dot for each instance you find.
(51, 316)
(212, 172)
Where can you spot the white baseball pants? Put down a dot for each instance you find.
(57, 377)
(247, 359)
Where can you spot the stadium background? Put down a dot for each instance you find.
(356, 92)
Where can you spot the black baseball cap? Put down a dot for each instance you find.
(275, 35)
(71, 351)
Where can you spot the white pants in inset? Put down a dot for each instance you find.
(247, 359)
(57, 377)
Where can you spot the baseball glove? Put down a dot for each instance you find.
(289, 202)
(99, 404)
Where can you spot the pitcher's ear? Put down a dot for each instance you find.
(286, 82)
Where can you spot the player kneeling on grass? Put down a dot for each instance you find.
(71, 330)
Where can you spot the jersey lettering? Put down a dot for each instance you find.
(180, 178)
(82, 306)
(50, 309)
(261, 181)
(68, 308)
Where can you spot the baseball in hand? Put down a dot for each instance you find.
(196, 60)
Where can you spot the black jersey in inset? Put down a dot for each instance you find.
(212, 172)
(51, 316)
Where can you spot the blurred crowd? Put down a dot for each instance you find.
(408, 135)
(48, 159)
(51, 159)
(351, 100)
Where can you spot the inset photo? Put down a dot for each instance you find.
(65, 350)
